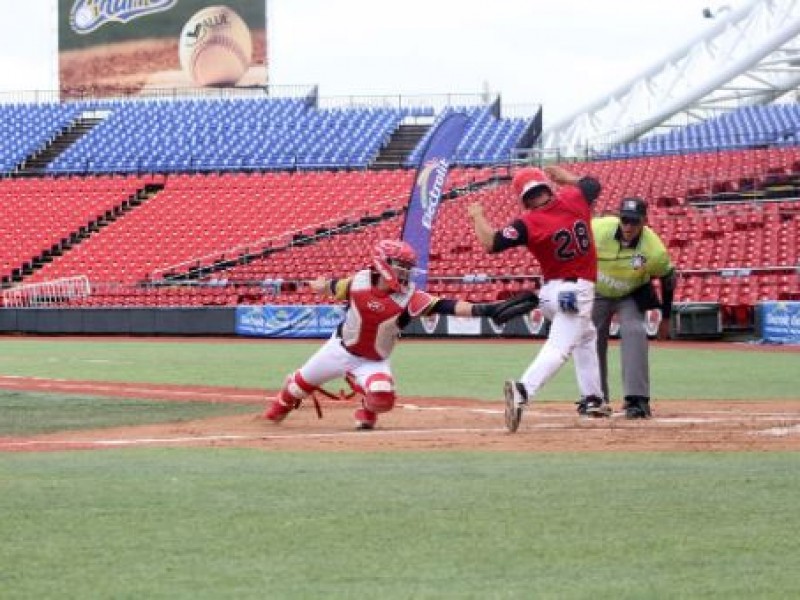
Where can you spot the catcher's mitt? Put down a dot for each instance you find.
(516, 305)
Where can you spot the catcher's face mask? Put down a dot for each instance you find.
(397, 274)
(402, 273)
(395, 261)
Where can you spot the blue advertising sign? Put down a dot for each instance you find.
(427, 189)
(780, 322)
(317, 321)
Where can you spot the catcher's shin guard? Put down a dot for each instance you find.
(380, 396)
(277, 411)
(365, 419)
(291, 395)
(516, 397)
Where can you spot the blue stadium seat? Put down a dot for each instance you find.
(749, 126)
(27, 127)
(200, 135)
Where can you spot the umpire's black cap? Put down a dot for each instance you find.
(633, 209)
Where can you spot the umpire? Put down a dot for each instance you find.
(630, 255)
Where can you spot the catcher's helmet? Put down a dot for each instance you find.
(394, 260)
(528, 179)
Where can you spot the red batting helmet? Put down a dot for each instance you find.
(394, 260)
(528, 179)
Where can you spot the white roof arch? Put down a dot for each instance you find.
(751, 56)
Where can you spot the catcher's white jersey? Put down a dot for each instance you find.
(372, 322)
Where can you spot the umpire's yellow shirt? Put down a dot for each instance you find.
(621, 270)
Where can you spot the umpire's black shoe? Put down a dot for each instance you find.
(637, 407)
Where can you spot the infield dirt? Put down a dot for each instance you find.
(429, 424)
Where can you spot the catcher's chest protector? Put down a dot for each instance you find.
(370, 327)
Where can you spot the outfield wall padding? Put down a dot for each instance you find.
(119, 321)
(275, 322)
(211, 321)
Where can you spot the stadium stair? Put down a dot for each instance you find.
(278, 276)
(36, 163)
(402, 143)
(77, 236)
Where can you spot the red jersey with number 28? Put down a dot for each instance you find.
(559, 235)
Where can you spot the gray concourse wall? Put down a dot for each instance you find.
(130, 321)
(186, 321)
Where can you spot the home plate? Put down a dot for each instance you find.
(779, 431)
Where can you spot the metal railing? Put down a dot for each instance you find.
(84, 94)
(47, 293)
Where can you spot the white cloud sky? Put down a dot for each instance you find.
(562, 53)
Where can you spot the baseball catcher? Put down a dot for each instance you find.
(381, 301)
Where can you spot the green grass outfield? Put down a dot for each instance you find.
(245, 523)
(232, 523)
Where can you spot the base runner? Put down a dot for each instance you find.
(555, 227)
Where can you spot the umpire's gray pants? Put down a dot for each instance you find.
(633, 341)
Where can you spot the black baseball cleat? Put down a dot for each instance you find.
(592, 406)
(516, 397)
(582, 407)
(597, 407)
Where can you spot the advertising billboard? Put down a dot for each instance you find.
(317, 321)
(426, 191)
(778, 322)
(128, 47)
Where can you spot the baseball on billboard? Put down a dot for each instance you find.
(143, 47)
(215, 47)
